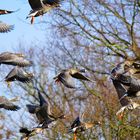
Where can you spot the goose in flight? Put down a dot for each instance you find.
(15, 59)
(40, 7)
(4, 28)
(126, 78)
(8, 104)
(44, 115)
(19, 74)
(79, 126)
(65, 77)
(127, 104)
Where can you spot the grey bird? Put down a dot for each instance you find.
(7, 104)
(43, 112)
(16, 59)
(127, 79)
(4, 28)
(65, 77)
(40, 7)
(127, 104)
(19, 74)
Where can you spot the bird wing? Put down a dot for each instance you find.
(35, 4)
(17, 61)
(22, 75)
(76, 122)
(51, 2)
(11, 75)
(134, 85)
(80, 76)
(121, 91)
(4, 28)
(32, 108)
(42, 114)
(6, 104)
(2, 12)
(66, 79)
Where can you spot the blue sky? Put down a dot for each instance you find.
(23, 30)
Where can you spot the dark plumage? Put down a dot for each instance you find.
(126, 103)
(65, 77)
(43, 112)
(16, 59)
(40, 7)
(29, 133)
(78, 125)
(19, 74)
(3, 12)
(125, 77)
(7, 104)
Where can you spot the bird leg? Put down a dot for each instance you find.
(74, 136)
(32, 19)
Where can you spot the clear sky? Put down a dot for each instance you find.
(23, 30)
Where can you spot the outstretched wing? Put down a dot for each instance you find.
(121, 91)
(7, 104)
(80, 76)
(4, 28)
(35, 4)
(32, 108)
(51, 2)
(2, 12)
(76, 122)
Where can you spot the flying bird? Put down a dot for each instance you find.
(127, 104)
(79, 126)
(43, 112)
(3, 12)
(19, 74)
(7, 104)
(40, 7)
(128, 80)
(4, 28)
(65, 77)
(16, 59)
(29, 133)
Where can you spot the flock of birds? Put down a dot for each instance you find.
(127, 85)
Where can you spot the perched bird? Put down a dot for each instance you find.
(43, 112)
(4, 28)
(19, 74)
(16, 59)
(127, 104)
(40, 7)
(29, 133)
(65, 77)
(80, 126)
(7, 104)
